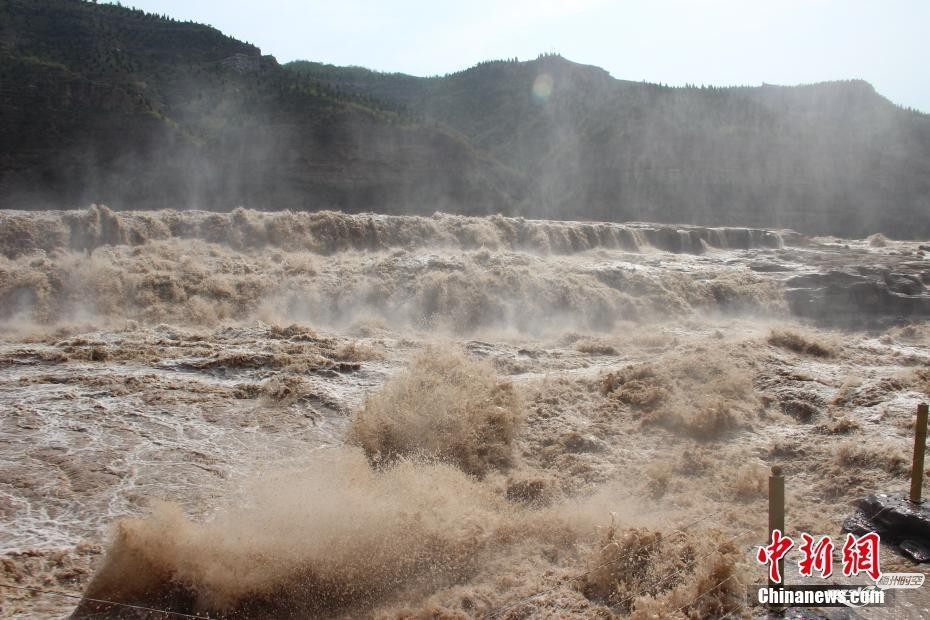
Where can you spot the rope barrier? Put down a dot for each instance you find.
(500, 610)
(98, 600)
(493, 614)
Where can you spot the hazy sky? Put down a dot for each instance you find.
(720, 42)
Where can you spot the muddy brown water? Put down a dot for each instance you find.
(178, 389)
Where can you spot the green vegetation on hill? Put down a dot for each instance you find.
(828, 158)
(100, 103)
(107, 104)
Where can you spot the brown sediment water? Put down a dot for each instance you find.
(289, 415)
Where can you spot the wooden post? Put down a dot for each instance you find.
(777, 513)
(920, 445)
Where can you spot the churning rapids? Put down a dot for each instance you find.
(266, 415)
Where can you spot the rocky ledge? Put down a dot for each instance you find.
(900, 523)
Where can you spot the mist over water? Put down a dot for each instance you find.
(260, 415)
(333, 269)
(549, 378)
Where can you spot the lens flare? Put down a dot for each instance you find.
(542, 88)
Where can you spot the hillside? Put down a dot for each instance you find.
(826, 158)
(99, 103)
(106, 104)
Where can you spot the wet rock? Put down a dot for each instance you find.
(858, 523)
(898, 521)
(905, 284)
(915, 550)
(856, 295)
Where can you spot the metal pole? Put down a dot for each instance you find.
(920, 445)
(777, 513)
